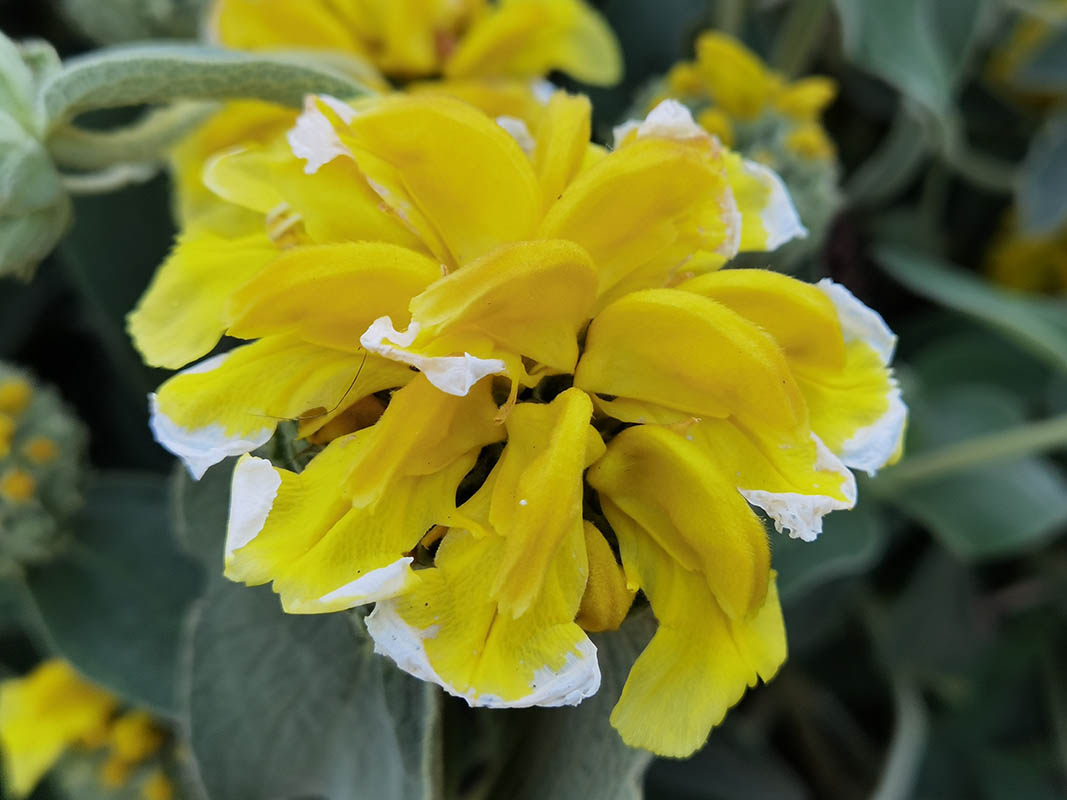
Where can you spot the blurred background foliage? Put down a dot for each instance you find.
(928, 645)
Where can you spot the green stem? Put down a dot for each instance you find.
(147, 140)
(797, 38)
(909, 742)
(1036, 437)
(980, 169)
(108, 180)
(730, 16)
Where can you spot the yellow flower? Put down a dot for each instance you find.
(429, 38)
(52, 710)
(481, 310)
(1032, 263)
(41, 716)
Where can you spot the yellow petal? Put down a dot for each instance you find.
(448, 630)
(180, 317)
(656, 480)
(607, 598)
(530, 38)
(796, 480)
(562, 142)
(644, 210)
(857, 410)
(768, 217)
(231, 404)
(43, 714)
(535, 492)
(665, 355)
(272, 24)
(799, 315)
(243, 123)
(737, 79)
(699, 662)
(422, 152)
(805, 99)
(339, 533)
(495, 96)
(348, 285)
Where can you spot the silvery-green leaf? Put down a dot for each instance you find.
(286, 706)
(126, 76)
(1040, 198)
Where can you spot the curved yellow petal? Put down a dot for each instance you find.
(419, 151)
(768, 217)
(607, 598)
(534, 493)
(799, 315)
(857, 410)
(181, 315)
(231, 404)
(348, 285)
(699, 662)
(656, 480)
(736, 78)
(806, 99)
(241, 123)
(562, 142)
(796, 480)
(447, 629)
(530, 38)
(664, 355)
(339, 533)
(644, 210)
(43, 714)
(498, 97)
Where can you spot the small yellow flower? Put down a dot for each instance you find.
(40, 449)
(810, 141)
(42, 715)
(17, 485)
(157, 787)
(1032, 263)
(489, 283)
(135, 736)
(15, 394)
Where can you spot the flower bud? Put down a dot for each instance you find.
(42, 454)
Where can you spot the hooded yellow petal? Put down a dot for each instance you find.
(659, 481)
(339, 533)
(806, 99)
(643, 211)
(424, 154)
(768, 217)
(448, 630)
(699, 662)
(799, 315)
(530, 38)
(348, 285)
(562, 142)
(497, 97)
(534, 493)
(607, 598)
(181, 316)
(736, 78)
(795, 479)
(665, 355)
(857, 410)
(43, 714)
(231, 404)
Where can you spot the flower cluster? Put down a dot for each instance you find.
(534, 390)
(756, 111)
(53, 711)
(42, 450)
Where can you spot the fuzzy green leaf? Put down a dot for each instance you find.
(1040, 198)
(127, 76)
(300, 706)
(114, 603)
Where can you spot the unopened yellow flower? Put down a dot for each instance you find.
(41, 716)
(15, 394)
(17, 486)
(1029, 262)
(489, 284)
(40, 450)
(53, 710)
